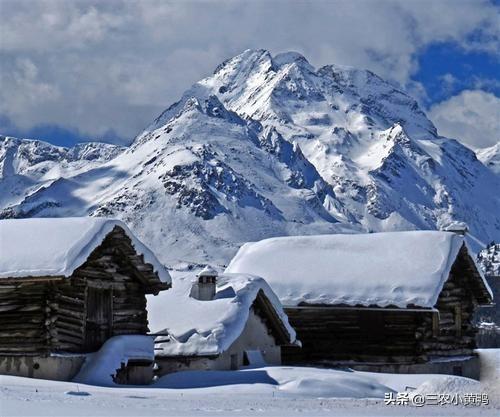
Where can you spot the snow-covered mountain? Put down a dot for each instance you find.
(26, 165)
(366, 138)
(489, 259)
(198, 186)
(269, 146)
(490, 157)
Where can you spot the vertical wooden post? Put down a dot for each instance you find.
(435, 324)
(458, 320)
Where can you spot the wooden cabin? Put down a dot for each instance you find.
(220, 323)
(487, 318)
(66, 286)
(394, 302)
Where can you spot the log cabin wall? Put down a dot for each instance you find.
(453, 333)
(23, 312)
(110, 270)
(50, 314)
(66, 317)
(340, 334)
(333, 335)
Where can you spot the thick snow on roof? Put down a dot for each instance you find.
(205, 328)
(57, 246)
(398, 268)
(208, 271)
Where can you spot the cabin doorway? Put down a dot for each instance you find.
(99, 320)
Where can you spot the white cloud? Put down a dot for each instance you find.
(448, 81)
(117, 64)
(472, 117)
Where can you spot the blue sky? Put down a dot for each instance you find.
(445, 69)
(93, 70)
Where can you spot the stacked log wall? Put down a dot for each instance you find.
(121, 262)
(67, 315)
(455, 336)
(23, 324)
(332, 335)
(50, 315)
(335, 334)
(110, 266)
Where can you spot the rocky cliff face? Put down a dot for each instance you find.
(489, 260)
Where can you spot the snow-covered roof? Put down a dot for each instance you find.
(208, 271)
(382, 269)
(456, 226)
(57, 246)
(206, 328)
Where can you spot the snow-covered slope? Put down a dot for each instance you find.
(490, 157)
(370, 141)
(198, 187)
(26, 165)
(270, 146)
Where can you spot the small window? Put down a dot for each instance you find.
(234, 362)
(372, 325)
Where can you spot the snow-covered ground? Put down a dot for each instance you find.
(270, 391)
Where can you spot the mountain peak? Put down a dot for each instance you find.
(255, 56)
(245, 62)
(291, 57)
(266, 146)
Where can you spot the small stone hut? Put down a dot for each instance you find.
(221, 323)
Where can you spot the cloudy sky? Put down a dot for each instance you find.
(102, 70)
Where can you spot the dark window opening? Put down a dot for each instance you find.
(372, 325)
(234, 362)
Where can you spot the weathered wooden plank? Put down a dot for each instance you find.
(71, 313)
(70, 300)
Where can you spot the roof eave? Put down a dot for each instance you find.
(31, 278)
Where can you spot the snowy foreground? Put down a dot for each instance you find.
(271, 391)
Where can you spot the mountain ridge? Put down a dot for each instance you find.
(269, 146)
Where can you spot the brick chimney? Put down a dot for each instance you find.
(204, 289)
